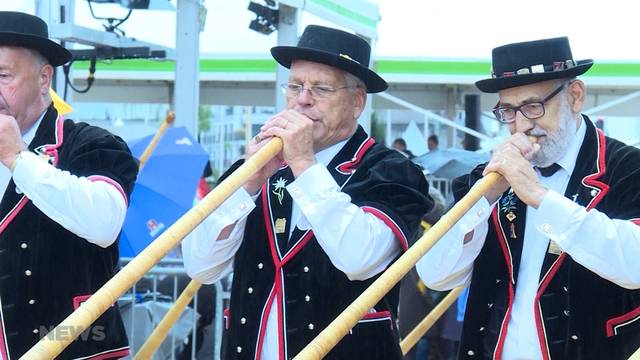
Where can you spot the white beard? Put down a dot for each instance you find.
(555, 144)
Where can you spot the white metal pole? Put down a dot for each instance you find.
(187, 88)
(288, 36)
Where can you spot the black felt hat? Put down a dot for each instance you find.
(28, 31)
(336, 48)
(531, 62)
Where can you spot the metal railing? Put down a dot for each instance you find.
(146, 296)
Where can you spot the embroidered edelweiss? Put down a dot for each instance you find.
(279, 188)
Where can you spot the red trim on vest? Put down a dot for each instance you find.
(504, 327)
(263, 323)
(635, 221)
(78, 300)
(280, 301)
(226, 314)
(296, 249)
(592, 179)
(347, 167)
(52, 149)
(378, 316)
(589, 181)
(111, 354)
(542, 338)
(110, 182)
(267, 224)
(278, 286)
(390, 223)
(615, 321)
(4, 349)
(13, 213)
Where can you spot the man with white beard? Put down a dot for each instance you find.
(551, 276)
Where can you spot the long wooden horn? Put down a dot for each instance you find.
(70, 328)
(340, 326)
(161, 331)
(414, 336)
(168, 120)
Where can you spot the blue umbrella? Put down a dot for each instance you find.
(164, 190)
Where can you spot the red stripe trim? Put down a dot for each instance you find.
(377, 315)
(226, 314)
(111, 354)
(52, 149)
(390, 223)
(4, 350)
(542, 338)
(263, 323)
(277, 279)
(635, 221)
(613, 322)
(111, 182)
(347, 167)
(296, 249)
(78, 300)
(13, 213)
(269, 229)
(497, 354)
(280, 301)
(591, 180)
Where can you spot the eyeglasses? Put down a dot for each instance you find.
(532, 110)
(291, 90)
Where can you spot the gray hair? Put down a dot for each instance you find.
(38, 59)
(354, 81)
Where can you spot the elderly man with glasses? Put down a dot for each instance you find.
(552, 252)
(325, 217)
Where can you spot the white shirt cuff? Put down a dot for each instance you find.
(236, 207)
(554, 216)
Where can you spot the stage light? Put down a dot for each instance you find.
(266, 20)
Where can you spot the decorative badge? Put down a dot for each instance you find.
(281, 224)
(508, 205)
(279, 188)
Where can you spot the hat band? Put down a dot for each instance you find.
(538, 69)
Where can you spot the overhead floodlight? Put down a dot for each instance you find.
(267, 17)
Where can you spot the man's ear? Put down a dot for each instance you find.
(44, 78)
(360, 102)
(577, 93)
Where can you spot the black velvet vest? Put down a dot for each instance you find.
(579, 315)
(47, 271)
(295, 274)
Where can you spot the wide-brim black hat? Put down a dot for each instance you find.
(336, 48)
(31, 32)
(531, 62)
